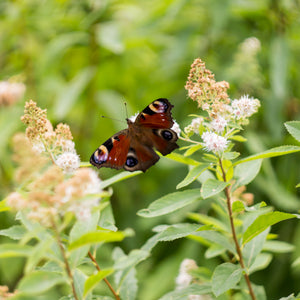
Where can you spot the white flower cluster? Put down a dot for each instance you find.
(213, 142)
(68, 161)
(244, 107)
(184, 278)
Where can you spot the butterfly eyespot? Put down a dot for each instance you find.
(131, 161)
(167, 135)
(100, 156)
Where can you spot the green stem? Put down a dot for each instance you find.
(235, 239)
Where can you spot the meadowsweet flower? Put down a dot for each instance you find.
(251, 45)
(218, 124)
(204, 89)
(184, 278)
(176, 128)
(11, 92)
(68, 161)
(194, 126)
(214, 142)
(244, 107)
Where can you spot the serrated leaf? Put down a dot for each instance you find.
(277, 151)
(293, 127)
(246, 172)
(212, 187)
(132, 259)
(193, 175)
(93, 280)
(263, 222)
(225, 277)
(170, 233)
(170, 203)
(15, 232)
(98, 237)
(39, 282)
(182, 159)
(15, 250)
(193, 289)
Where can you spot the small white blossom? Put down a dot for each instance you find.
(10, 92)
(196, 123)
(214, 142)
(184, 278)
(244, 107)
(251, 45)
(68, 161)
(93, 187)
(38, 147)
(218, 124)
(176, 128)
(68, 146)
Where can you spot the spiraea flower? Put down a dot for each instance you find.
(244, 107)
(11, 92)
(56, 143)
(68, 161)
(213, 142)
(218, 124)
(204, 89)
(184, 278)
(194, 126)
(176, 128)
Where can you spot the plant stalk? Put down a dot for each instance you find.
(237, 246)
(62, 250)
(105, 280)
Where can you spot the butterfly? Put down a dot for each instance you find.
(132, 148)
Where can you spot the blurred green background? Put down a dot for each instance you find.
(81, 59)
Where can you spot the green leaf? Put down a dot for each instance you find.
(107, 220)
(225, 277)
(261, 261)
(193, 289)
(71, 92)
(3, 206)
(246, 172)
(238, 138)
(216, 238)
(212, 187)
(98, 237)
(238, 206)
(93, 280)
(207, 220)
(278, 247)
(119, 177)
(15, 250)
(254, 247)
(293, 127)
(231, 155)
(170, 203)
(39, 282)
(263, 222)
(129, 287)
(214, 250)
(193, 175)
(134, 257)
(182, 159)
(15, 232)
(277, 151)
(193, 149)
(170, 233)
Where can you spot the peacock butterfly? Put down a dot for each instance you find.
(132, 148)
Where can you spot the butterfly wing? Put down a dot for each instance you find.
(113, 152)
(124, 151)
(156, 119)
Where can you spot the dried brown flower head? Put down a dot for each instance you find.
(204, 89)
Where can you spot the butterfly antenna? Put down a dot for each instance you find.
(112, 119)
(125, 104)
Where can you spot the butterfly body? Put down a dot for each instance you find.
(132, 148)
